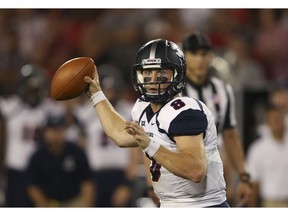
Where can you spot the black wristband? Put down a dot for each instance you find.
(244, 177)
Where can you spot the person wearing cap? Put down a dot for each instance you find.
(219, 98)
(58, 172)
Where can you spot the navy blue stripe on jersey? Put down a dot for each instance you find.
(149, 113)
(188, 122)
(144, 111)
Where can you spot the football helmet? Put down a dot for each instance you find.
(157, 54)
(33, 84)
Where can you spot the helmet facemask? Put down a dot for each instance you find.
(161, 94)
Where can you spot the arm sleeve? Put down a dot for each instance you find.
(188, 122)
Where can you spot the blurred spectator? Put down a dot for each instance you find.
(270, 43)
(196, 18)
(32, 28)
(220, 28)
(114, 169)
(11, 59)
(284, 19)
(75, 131)
(244, 72)
(279, 96)
(157, 28)
(267, 162)
(23, 116)
(121, 28)
(58, 172)
(173, 17)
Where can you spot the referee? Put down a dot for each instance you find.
(219, 98)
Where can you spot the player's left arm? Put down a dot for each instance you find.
(188, 162)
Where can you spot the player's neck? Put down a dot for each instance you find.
(155, 106)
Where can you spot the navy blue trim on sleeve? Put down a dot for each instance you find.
(189, 122)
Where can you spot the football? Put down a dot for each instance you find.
(68, 81)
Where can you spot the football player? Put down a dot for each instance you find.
(177, 134)
(23, 115)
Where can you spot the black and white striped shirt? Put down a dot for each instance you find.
(218, 97)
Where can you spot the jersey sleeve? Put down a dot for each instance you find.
(230, 116)
(138, 109)
(188, 122)
(10, 105)
(189, 119)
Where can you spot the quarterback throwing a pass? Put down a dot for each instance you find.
(177, 134)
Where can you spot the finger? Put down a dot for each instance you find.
(88, 79)
(96, 76)
(140, 128)
(130, 131)
(133, 124)
(134, 129)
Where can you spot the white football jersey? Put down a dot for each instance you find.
(183, 116)
(102, 152)
(23, 125)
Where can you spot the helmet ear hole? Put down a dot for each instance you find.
(157, 54)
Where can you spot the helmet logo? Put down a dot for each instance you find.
(177, 50)
(151, 63)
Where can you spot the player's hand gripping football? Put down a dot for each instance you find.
(134, 129)
(94, 85)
